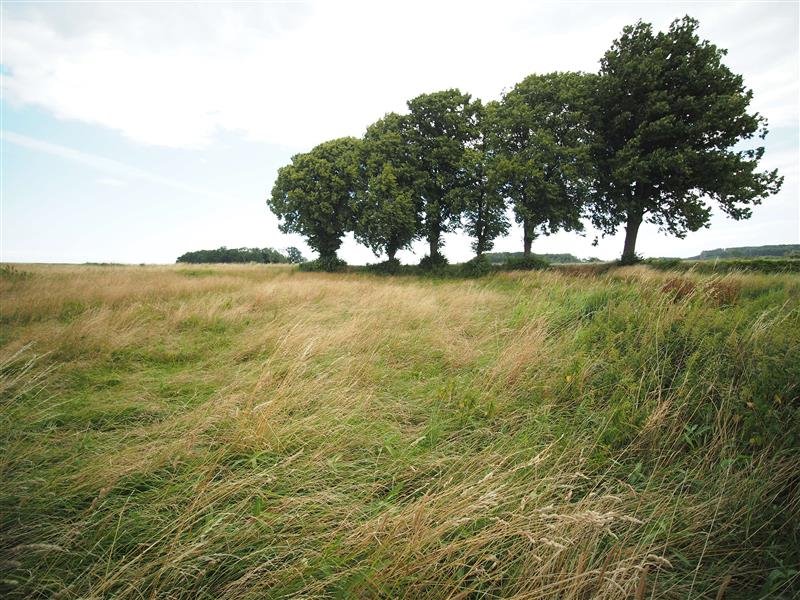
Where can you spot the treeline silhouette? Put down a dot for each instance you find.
(241, 255)
(781, 250)
(655, 134)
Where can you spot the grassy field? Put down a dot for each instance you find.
(257, 432)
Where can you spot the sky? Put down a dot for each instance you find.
(134, 132)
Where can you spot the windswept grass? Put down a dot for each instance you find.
(254, 431)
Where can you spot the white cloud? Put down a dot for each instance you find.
(296, 74)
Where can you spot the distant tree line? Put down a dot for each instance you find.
(781, 250)
(562, 258)
(650, 137)
(242, 255)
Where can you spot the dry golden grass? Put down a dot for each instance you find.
(252, 431)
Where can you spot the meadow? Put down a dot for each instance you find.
(253, 431)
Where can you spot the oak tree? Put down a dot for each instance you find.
(313, 196)
(541, 151)
(673, 123)
(439, 127)
(386, 210)
(478, 198)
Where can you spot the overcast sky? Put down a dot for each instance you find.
(133, 132)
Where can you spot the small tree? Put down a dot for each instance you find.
(439, 127)
(540, 141)
(313, 196)
(669, 115)
(294, 255)
(386, 214)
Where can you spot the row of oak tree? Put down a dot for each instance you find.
(660, 130)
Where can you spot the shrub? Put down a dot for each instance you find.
(523, 263)
(429, 263)
(477, 267)
(387, 267)
(664, 264)
(329, 265)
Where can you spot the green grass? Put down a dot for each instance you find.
(259, 432)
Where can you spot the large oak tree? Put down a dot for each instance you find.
(313, 196)
(673, 121)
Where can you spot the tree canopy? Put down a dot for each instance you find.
(234, 255)
(314, 195)
(670, 119)
(663, 128)
(294, 255)
(387, 211)
(439, 127)
(479, 200)
(541, 151)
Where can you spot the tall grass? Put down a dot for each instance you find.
(253, 431)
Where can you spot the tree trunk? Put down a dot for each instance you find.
(433, 241)
(480, 227)
(527, 238)
(631, 231)
(390, 252)
(328, 255)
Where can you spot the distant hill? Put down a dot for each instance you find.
(782, 250)
(501, 257)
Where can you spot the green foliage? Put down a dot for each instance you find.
(313, 196)
(501, 257)
(630, 259)
(759, 265)
(233, 255)
(477, 267)
(539, 137)
(391, 266)
(439, 126)
(478, 200)
(664, 264)
(671, 119)
(762, 265)
(429, 263)
(329, 264)
(293, 255)
(780, 250)
(386, 208)
(526, 263)
(663, 127)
